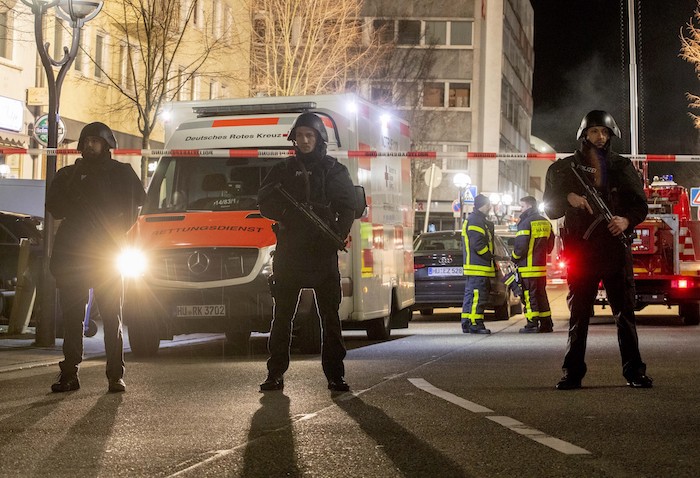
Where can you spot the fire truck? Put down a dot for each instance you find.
(208, 250)
(666, 269)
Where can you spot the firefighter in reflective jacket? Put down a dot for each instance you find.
(477, 237)
(533, 242)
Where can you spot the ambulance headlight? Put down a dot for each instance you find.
(132, 263)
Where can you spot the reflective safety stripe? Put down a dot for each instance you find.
(477, 229)
(529, 313)
(483, 251)
(524, 232)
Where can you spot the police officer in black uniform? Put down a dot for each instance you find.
(303, 257)
(533, 242)
(593, 247)
(97, 200)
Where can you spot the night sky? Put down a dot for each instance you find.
(581, 63)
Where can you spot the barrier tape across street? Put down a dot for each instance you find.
(276, 153)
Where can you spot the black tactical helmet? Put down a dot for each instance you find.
(98, 130)
(312, 121)
(598, 118)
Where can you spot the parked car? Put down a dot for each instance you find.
(438, 260)
(13, 227)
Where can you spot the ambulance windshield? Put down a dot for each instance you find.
(206, 184)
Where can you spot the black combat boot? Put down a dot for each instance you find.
(478, 327)
(65, 383)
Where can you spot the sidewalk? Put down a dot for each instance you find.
(18, 352)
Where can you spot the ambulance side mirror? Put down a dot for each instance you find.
(360, 202)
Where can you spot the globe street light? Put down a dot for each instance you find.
(462, 181)
(76, 12)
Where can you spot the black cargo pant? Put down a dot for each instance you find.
(73, 297)
(619, 286)
(286, 298)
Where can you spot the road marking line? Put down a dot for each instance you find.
(540, 437)
(459, 401)
(510, 423)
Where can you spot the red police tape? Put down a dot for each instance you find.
(276, 153)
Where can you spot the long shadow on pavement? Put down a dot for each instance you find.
(411, 455)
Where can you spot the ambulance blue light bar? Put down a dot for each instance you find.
(253, 109)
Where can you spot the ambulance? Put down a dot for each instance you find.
(200, 252)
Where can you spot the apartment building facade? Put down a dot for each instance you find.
(473, 93)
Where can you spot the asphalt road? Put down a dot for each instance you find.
(431, 402)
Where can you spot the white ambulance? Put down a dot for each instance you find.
(208, 251)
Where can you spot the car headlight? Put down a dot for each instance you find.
(132, 263)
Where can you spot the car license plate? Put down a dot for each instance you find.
(217, 310)
(445, 271)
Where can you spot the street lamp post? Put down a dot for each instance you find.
(462, 181)
(77, 12)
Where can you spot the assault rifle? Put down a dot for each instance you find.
(313, 219)
(599, 207)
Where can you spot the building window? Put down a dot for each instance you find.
(216, 19)
(436, 33)
(58, 39)
(460, 33)
(196, 86)
(99, 55)
(5, 29)
(127, 61)
(459, 95)
(434, 95)
(384, 29)
(409, 32)
(381, 93)
(213, 89)
(78, 62)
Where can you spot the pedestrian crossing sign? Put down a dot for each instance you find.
(469, 194)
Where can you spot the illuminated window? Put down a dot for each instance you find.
(459, 95)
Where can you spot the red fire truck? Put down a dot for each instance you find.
(666, 269)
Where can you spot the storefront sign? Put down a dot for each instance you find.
(11, 114)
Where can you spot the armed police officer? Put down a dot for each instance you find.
(533, 242)
(477, 238)
(305, 258)
(597, 248)
(97, 199)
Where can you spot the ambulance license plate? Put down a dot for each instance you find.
(216, 310)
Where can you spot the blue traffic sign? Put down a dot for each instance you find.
(469, 195)
(695, 197)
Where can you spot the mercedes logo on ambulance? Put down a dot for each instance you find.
(198, 262)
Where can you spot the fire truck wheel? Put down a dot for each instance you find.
(379, 329)
(690, 314)
(144, 338)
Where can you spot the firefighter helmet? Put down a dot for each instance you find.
(598, 118)
(310, 120)
(98, 130)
